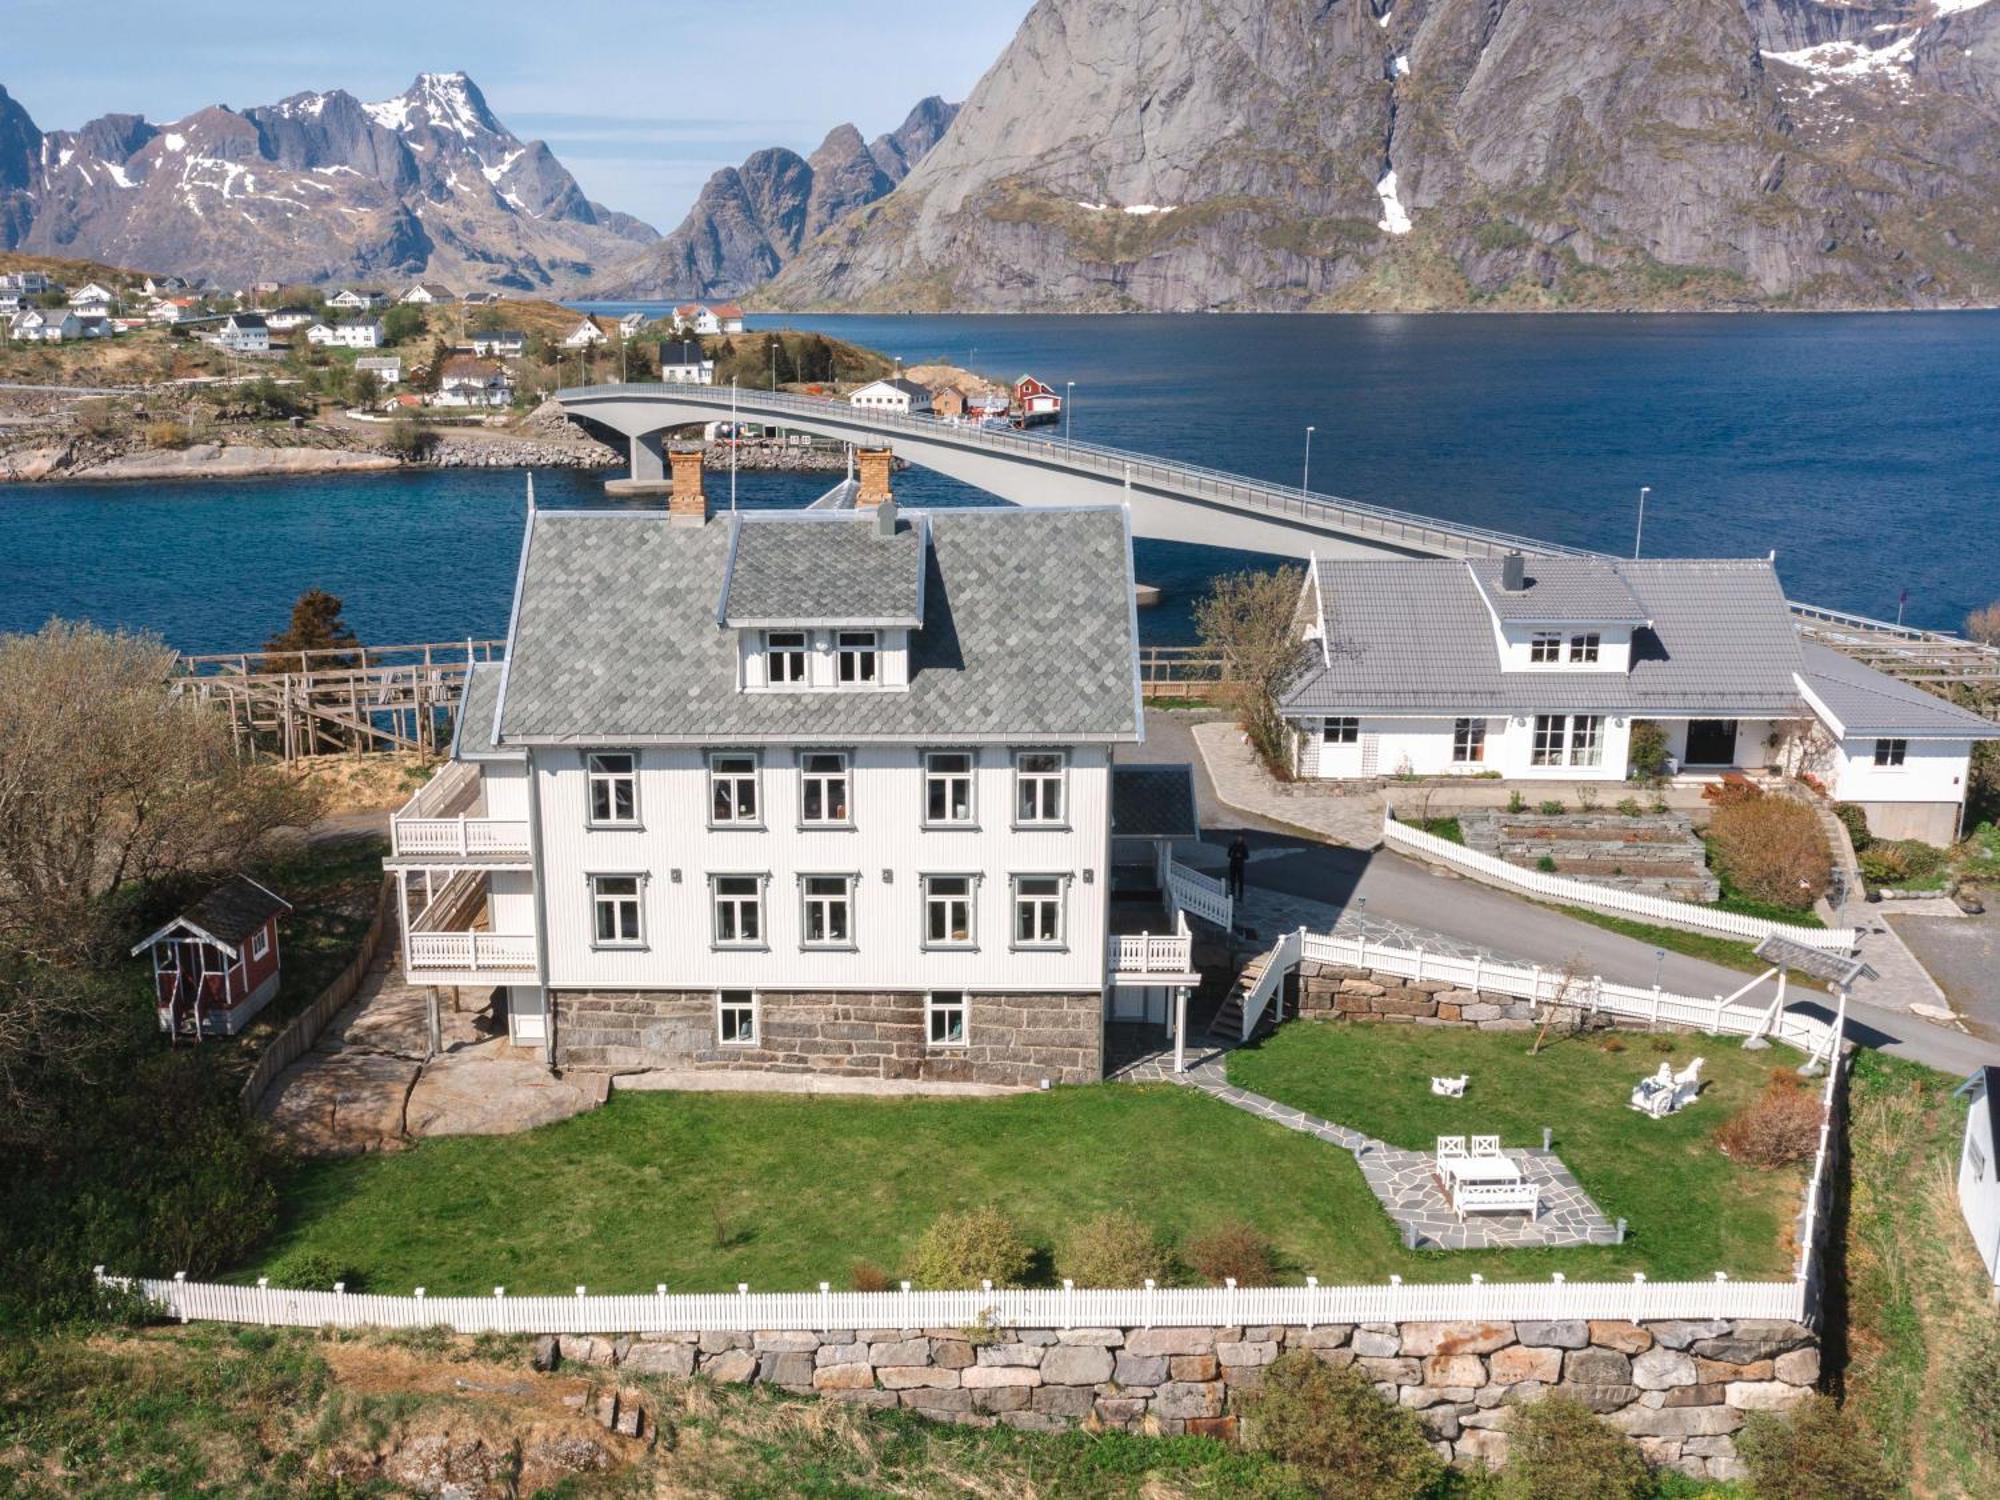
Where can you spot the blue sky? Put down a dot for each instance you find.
(641, 99)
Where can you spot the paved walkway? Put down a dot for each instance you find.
(1242, 783)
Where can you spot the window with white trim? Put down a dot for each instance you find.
(739, 911)
(829, 911)
(823, 789)
(1038, 786)
(1468, 741)
(1583, 648)
(1890, 753)
(614, 901)
(948, 787)
(948, 911)
(857, 655)
(1038, 911)
(732, 788)
(736, 1018)
(784, 657)
(944, 1018)
(260, 943)
(1547, 749)
(614, 787)
(1343, 731)
(1545, 646)
(1586, 740)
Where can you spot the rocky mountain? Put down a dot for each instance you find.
(320, 187)
(1196, 154)
(751, 220)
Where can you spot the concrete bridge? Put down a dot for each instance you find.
(1170, 501)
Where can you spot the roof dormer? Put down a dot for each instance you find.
(1559, 613)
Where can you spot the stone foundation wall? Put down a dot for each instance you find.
(1011, 1039)
(1343, 992)
(1680, 1389)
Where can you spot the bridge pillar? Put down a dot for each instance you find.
(648, 471)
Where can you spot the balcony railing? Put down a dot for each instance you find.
(1165, 954)
(467, 838)
(471, 952)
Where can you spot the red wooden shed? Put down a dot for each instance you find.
(216, 964)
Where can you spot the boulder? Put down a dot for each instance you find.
(1454, 1369)
(1754, 1339)
(1662, 1369)
(841, 1354)
(582, 1349)
(1481, 1445)
(1603, 1398)
(986, 1377)
(674, 1360)
(1680, 1333)
(792, 1367)
(785, 1341)
(916, 1377)
(1512, 1366)
(952, 1354)
(900, 1352)
(715, 1343)
(731, 1367)
(1153, 1369)
(1375, 1342)
(847, 1376)
(1108, 1338)
(1174, 1341)
(1677, 1421)
(1187, 1366)
(1181, 1401)
(1077, 1364)
(1010, 1354)
(1569, 1334)
(1062, 1400)
(1596, 1366)
(1456, 1338)
(1626, 1338)
(1765, 1395)
(1246, 1352)
(1799, 1367)
(548, 1353)
(999, 1398)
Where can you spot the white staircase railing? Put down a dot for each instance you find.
(1203, 895)
(1280, 961)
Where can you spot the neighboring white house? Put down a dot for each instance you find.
(286, 319)
(1979, 1169)
(30, 283)
(386, 368)
(245, 333)
(466, 381)
(684, 363)
(356, 333)
(480, 299)
(897, 395)
(348, 299)
(44, 325)
(506, 343)
(630, 324)
(709, 318)
(92, 300)
(425, 293)
(585, 335)
(1538, 668)
(162, 286)
(796, 791)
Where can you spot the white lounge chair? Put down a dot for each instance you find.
(1450, 1088)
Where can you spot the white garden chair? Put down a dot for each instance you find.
(1486, 1145)
(1450, 1147)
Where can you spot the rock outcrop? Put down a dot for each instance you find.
(1197, 154)
(320, 187)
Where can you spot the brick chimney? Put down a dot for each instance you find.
(688, 505)
(873, 466)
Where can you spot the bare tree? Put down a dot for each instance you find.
(1983, 625)
(1251, 621)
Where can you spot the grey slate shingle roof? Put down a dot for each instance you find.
(823, 568)
(1415, 638)
(1562, 591)
(1028, 635)
(1153, 801)
(1868, 702)
(474, 736)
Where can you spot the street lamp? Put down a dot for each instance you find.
(1659, 965)
(1305, 475)
(1639, 536)
(1069, 395)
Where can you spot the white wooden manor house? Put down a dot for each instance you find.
(803, 791)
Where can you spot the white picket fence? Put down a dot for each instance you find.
(1571, 892)
(1058, 1307)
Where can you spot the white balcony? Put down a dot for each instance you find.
(1154, 957)
(502, 955)
(444, 821)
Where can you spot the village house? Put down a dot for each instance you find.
(895, 394)
(287, 319)
(93, 300)
(469, 381)
(479, 299)
(586, 335)
(28, 283)
(172, 310)
(216, 964)
(707, 319)
(44, 325)
(1036, 404)
(427, 293)
(630, 324)
(1979, 1169)
(350, 299)
(12, 302)
(504, 343)
(948, 403)
(987, 409)
(1539, 669)
(244, 333)
(355, 333)
(684, 363)
(823, 791)
(386, 368)
(165, 286)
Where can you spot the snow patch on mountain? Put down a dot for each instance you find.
(1395, 218)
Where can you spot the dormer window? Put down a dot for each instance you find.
(785, 657)
(1583, 648)
(858, 653)
(1546, 648)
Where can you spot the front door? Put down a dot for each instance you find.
(1711, 742)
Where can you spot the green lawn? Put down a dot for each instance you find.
(1730, 953)
(1691, 1211)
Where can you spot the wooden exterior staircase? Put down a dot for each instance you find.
(1227, 1026)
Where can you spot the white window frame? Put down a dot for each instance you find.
(1545, 648)
(1584, 648)
(736, 904)
(600, 900)
(809, 777)
(597, 777)
(857, 658)
(725, 1006)
(1340, 729)
(826, 902)
(260, 944)
(1549, 740)
(1468, 742)
(1041, 903)
(1891, 753)
(717, 778)
(1040, 788)
(970, 776)
(797, 657)
(1586, 752)
(940, 1004)
(926, 884)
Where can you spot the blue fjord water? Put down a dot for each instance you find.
(1863, 449)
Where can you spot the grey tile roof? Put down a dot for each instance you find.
(1028, 635)
(1153, 801)
(473, 737)
(1414, 637)
(1562, 591)
(823, 568)
(1868, 702)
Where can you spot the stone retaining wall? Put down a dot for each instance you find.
(1681, 1389)
(1343, 992)
(1011, 1039)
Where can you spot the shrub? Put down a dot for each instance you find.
(313, 1271)
(1551, 808)
(1231, 1248)
(1646, 756)
(1113, 1249)
(412, 441)
(1335, 1427)
(1630, 807)
(1770, 849)
(1856, 823)
(1559, 1449)
(962, 1250)
(1516, 803)
(1546, 864)
(1777, 1128)
(1815, 1452)
(1734, 787)
(1587, 798)
(167, 435)
(866, 1276)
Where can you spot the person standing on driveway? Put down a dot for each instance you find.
(1239, 859)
